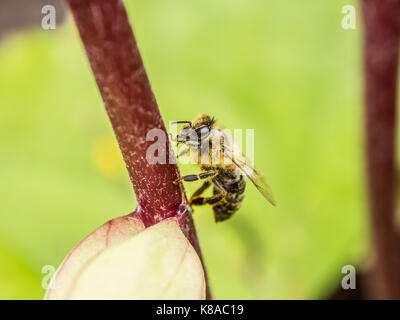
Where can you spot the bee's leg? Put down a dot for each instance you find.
(198, 201)
(199, 191)
(195, 177)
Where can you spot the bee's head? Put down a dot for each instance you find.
(196, 131)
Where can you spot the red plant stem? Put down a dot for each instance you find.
(382, 22)
(132, 108)
(130, 103)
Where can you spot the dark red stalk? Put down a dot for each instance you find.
(382, 22)
(130, 103)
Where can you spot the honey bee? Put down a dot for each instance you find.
(221, 165)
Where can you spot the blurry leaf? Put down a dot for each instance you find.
(18, 280)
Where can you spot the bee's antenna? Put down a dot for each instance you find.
(176, 122)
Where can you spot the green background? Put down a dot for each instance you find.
(284, 68)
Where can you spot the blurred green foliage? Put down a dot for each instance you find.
(285, 68)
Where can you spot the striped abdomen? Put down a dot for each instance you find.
(235, 185)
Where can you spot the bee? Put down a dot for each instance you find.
(221, 165)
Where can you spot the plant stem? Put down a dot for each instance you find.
(381, 24)
(132, 108)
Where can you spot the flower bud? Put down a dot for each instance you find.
(124, 260)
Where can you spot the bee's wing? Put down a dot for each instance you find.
(243, 164)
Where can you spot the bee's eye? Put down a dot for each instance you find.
(203, 132)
